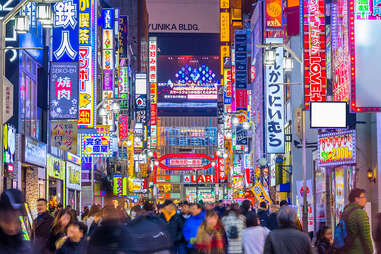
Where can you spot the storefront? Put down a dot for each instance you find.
(55, 188)
(31, 171)
(73, 181)
(334, 174)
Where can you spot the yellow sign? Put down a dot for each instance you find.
(229, 158)
(55, 167)
(74, 174)
(131, 155)
(224, 27)
(224, 4)
(261, 194)
(225, 52)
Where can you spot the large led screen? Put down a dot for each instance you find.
(365, 55)
(187, 85)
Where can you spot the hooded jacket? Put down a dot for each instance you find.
(13, 244)
(174, 224)
(191, 227)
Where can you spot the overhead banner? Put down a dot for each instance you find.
(274, 102)
(315, 84)
(96, 145)
(87, 70)
(197, 16)
(273, 14)
(337, 148)
(64, 135)
(63, 90)
(65, 31)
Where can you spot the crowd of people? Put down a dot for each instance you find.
(184, 228)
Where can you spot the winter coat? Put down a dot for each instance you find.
(287, 241)
(272, 222)
(258, 233)
(175, 227)
(358, 224)
(191, 227)
(70, 247)
(53, 238)
(13, 244)
(41, 231)
(323, 246)
(263, 217)
(229, 221)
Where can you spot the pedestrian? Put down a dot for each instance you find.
(185, 210)
(324, 241)
(58, 230)
(85, 212)
(58, 209)
(283, 203)
(287, 239)
(135, 212)
(94, 211)
(41, 227)
(263, 214)
(357, 222)
(245, 207)
(377, 234)
(220, 208)
(234, 223)
(74, 242)
(11, 236)
(192, 224)
(254, 231)
(272, 222)
(174, 224)
(211, 238)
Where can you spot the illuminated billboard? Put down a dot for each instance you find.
(189, 83)
(365, 36)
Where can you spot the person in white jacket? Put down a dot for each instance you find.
(254, 236)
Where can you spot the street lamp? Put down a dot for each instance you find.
(45, 15)
(22, 24)
(270, 56)
(288, 64)
(246, 125)
(235, 121)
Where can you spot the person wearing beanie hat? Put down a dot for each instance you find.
(11, 235)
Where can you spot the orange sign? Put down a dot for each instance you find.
(273, 13)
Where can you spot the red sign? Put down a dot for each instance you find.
(241, 99)
(123, 127)
(273, 13)
(315, 88)
(200, 179)
(185, 162)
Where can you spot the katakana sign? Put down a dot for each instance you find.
(152, 60)
(96, 146)
(65, 31)
(63, 90)
(274, 101)
(123, 35)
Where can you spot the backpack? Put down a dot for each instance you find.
(343, 239)
(233, 232)
(147, 234)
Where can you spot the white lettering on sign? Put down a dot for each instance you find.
(173, 27)
(200, 179)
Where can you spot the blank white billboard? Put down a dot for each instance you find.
(328, 115)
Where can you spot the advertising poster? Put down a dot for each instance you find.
(119, 186)
(9, 143)
(96, 146)
(337, 148)
(65, 31)
(64, 135)
(63, 90)
(273, 14)
(310, 201)
(189, 83)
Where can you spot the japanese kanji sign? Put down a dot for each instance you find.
(152, 60)
(87, 44)
(315, 87)
(63, 90)
(274, 101)
(241, 59)
(123, 87)
(64, 135)
(153, 100)
(123, 127)
(261, 194)
(65, 31)
(123, 35)
(96, 146)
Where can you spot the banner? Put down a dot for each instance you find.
(63, 90)
(261, 194)
(64, 135)
(65, 31)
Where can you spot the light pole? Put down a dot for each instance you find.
(268, 48)
(45, 16)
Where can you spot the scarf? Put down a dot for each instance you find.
(210, 241)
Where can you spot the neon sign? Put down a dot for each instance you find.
(337, 148)
(96, 146)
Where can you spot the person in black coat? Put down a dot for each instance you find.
(324, 241)
(174, 224)
(75, 242)
(11, 235)
(263, 214)
(41, 227)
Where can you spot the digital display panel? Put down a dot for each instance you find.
(188, 83)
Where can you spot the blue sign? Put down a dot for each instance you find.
(108, 16)
(64, 90)
(241, 136)
(241, 59)
(65, 31)
(35, 152)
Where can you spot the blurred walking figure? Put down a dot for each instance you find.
(174, 225)
(192, 224)
(93, 212)
(185, 210)
(254, 231)
(262, 214)
(11, 236)
(41, 227)
(234, 223)
(287, 239)
(324, 241)
(245, 207)
(211, 238)
(85, 212)
(74, 242)
(58, 230)
(272, 222)
(377, 234)
(136, 211)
